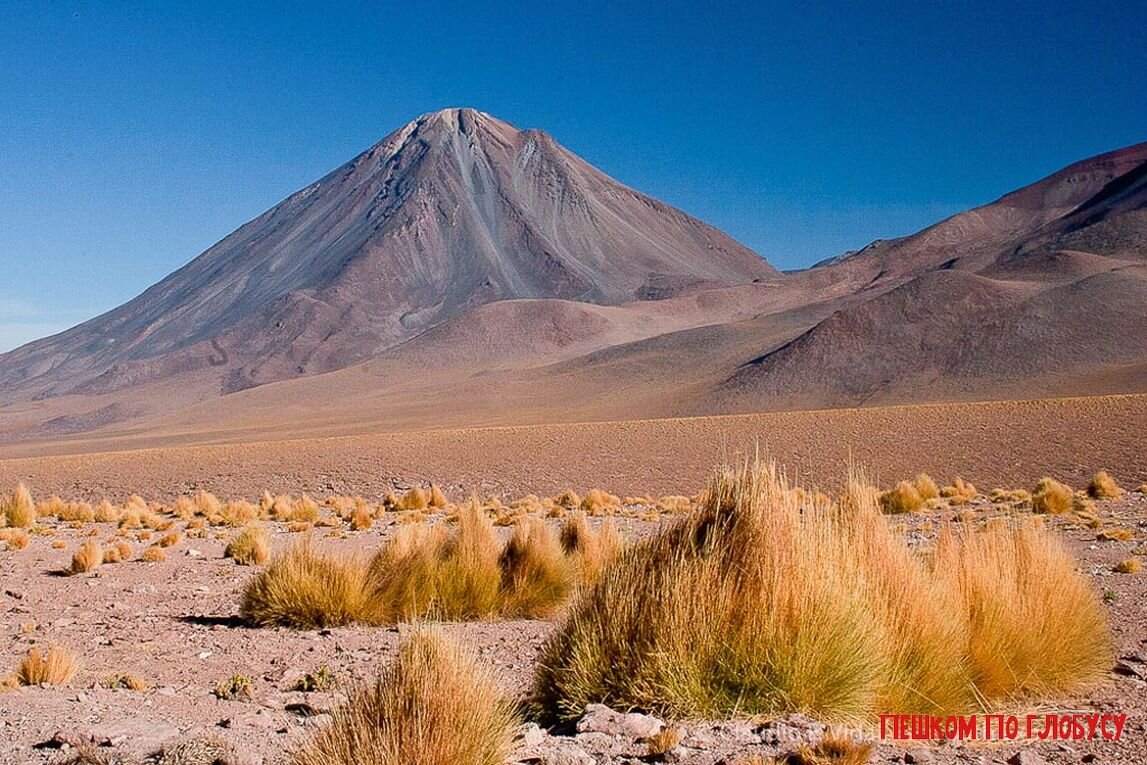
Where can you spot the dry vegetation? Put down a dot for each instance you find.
(56, 667)
(434, 572)
(770, 601)
(434, 705)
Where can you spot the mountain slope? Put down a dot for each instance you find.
(452, 211)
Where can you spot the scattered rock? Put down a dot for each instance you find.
(530, 735)
(599, 718)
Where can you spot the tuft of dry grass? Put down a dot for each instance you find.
(250, 547)
(590, 550)
(960, 492)
(437, 499)
(170, 539)
(153, 555)
(415, 499)
(1115, 535)
(926, 487)
(834, 748)
(1029, 612)
(1129, 566)
(19, 509)
(17, 539)
(905, 498)
(1103, 486)
(305, 589)
(568, 499)
(56, 667)
(87, 558)
(235, 688)
(598, 502)
(767, 601)
(435, 705)
(361, 518)
(1051, 497)
(662, 742)
(536, 577)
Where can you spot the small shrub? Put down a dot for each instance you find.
(250, 547)
(1103, 486)
(1051, 497)
(234, 688)
(124, 681)
(434, 705)
(905, 498)
(87, 558)
(19, 510)
(321, 680)
(437, 499)
(306, 510)
(568, 499)
(1129, 566)
(662, 742)
(56, 667)
(304, 589)
(598, 502)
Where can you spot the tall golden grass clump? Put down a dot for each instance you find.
(1051, 497)
(598, 502)
(591, 550)
(17, 539)
(1103, 486)
(435, 705)
(19, 509)
(905, 498)
(1036, 628)
(429, 572)
(305, 589)
(87, 558)
(766, 602)
(250, 547)
(437, 499)
(536, 577)
(56, 667)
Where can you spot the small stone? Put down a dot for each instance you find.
(531, 735)
(918, 757)
(1026, 757)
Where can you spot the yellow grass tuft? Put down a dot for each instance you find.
(17, 539)
(905, 498)
(1129, 566)
(1115, 535)
(124, 681)
(361, 518)
(170, 540)
(568, 499)
(415, 499)
(536, 576)
(834, 748)
(437, 499)
(106, 512)
(590, 550)
(153, 555)
(766, 601)
(305, 589)
(250, 547)
(598, 502)
(1103, 486)
(960, 492)
(87, 558)
(1051, 497)
(56, 667)
(926, 487)
(1030, 613)
(19, 509)
(435, 705)
(662, 742)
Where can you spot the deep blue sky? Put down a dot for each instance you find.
(133, 135)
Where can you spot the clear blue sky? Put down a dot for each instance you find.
(133, 134)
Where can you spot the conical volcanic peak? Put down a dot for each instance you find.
(453, 210)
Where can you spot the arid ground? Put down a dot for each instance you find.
(174, 623)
